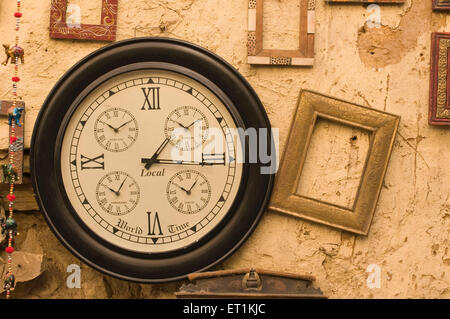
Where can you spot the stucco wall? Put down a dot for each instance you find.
(384, 68)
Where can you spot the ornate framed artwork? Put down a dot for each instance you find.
(443, 5)
(105, 31)
(7, 110)
(303, 56)
(366, 1)
(439, 113)
(382, 129)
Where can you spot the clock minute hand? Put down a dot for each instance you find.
(190, 189)
(124, 124)
(151, 161)
(193, 123)
(121, 185)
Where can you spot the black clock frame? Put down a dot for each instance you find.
(138, 53)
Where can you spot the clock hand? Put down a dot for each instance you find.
(190, 189)
(124, 124)
(112, 190)
(193, 123)
(180, 124)
(121, 185)
(187, 191)
(115, 129)
(149, 163)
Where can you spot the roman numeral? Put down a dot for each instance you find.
(93, 163)
(155, 223)
(151, 101)
(213, 159)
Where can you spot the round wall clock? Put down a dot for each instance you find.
(135, 160)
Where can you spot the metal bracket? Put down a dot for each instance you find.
(251, 281)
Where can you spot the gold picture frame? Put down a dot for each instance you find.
(303, 56)
(383, 129)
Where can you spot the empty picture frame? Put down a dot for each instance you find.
(303, 56)
(366, 1)
(382, 128)
(439, 112)
(442, 5)
(105, 31)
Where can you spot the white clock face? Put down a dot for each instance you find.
(147, 161)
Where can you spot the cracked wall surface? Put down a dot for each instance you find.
(384, 68)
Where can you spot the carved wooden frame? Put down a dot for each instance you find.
(439, 112)
(105, 31)
(18, 145)
(367, 1)
(304, 56)
(382, 127)
(441, 5)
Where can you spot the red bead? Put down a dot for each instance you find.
(9, 250)
(12, 139)
(18, 14)
(16, 79)
(11, 198)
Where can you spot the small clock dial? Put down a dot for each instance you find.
(117, 193)
(188, 191)
(116, 130)
(187, 128)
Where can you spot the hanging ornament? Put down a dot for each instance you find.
(13, 53)
(9, 225)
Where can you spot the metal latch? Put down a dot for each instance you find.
(251, 281)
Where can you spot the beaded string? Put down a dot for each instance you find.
(10, 225)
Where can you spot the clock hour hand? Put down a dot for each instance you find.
(114, 128)
(112, 190)
(152, 160)
(185, 127)
(184, 189)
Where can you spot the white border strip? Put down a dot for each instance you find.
(252, 20)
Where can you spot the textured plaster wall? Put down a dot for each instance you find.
(385, 68)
